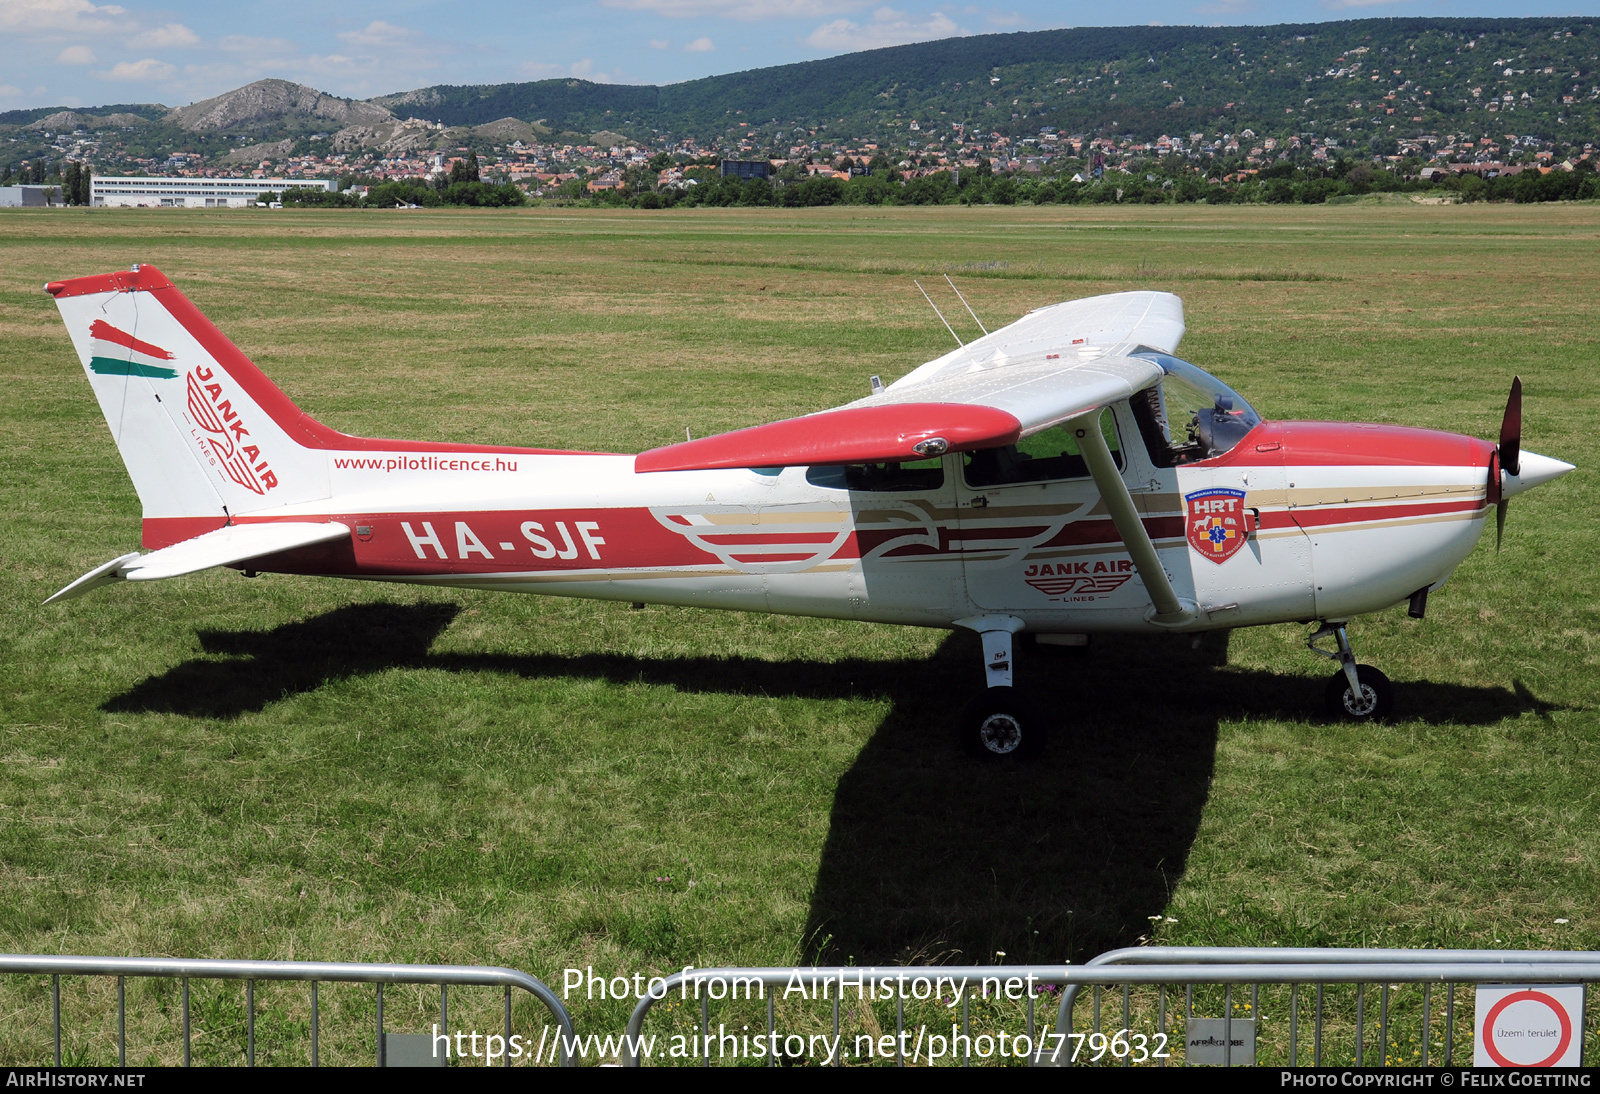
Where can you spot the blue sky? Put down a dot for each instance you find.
(83, 53)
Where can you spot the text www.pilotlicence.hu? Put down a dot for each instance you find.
(422, 463)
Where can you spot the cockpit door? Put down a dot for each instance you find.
(1267, 575)
(1034, 535)
(1247, 559)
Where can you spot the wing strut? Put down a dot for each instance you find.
(1169, 610)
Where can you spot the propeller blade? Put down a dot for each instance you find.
(1511, 432)
(1500, 524)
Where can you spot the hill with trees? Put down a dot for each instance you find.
(1368, 84)
(1414, 75)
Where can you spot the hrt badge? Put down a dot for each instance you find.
(1216, 522)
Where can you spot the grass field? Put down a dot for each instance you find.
(283, 767)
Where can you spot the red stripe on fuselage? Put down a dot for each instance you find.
(1075, 533)
(159, 532)
(1326, 517)
(1105, 531)
(470, 543)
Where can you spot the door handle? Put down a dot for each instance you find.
(980, 502)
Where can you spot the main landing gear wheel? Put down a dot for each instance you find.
(1374, 704)
(998, 722)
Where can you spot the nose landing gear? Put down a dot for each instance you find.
(1357, 692)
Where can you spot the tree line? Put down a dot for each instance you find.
(463, 186)
(73, 178)
(1149, 184)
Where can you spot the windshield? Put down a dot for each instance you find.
(1190, 415)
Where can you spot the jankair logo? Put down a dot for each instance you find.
(1087, 580)
(214, 414)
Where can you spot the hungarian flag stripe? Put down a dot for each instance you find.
(118, 353)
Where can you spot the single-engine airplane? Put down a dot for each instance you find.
(1063, 476)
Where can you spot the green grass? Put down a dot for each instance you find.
(284, 767)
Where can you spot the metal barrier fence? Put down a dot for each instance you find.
(1160, 968)
(1337, 1016)
(314, 972)
(1492, 966)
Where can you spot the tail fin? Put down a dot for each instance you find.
(204, 434)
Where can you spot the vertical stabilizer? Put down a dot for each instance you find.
(204, 434)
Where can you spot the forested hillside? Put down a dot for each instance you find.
(1367, 85)
(1414, 75)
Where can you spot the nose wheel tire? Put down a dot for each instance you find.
(1374, 704)
(999, 723)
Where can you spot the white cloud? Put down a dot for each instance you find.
(700, 45)
(541, 70)
(380, 35)
(76, 55)
(888, 28)
(745, 10)
(147, 69)
(51, 18)
(583, 70)
(171, 36)
(261, 47)
(660, 43)
(1006, 19)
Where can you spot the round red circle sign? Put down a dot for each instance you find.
(1487, 1032)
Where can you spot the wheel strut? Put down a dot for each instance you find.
(1356, 691)
(1345, 655)
(1000, 721)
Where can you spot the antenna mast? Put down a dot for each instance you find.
(963, 300)
(939, 313)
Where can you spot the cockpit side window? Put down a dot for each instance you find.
(1047, 456)
(1189, 414)
(924, 475)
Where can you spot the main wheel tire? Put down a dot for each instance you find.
(1000, 722)
(1375, 704)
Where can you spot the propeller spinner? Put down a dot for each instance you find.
(1513, 471)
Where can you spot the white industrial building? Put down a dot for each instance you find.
(12, 197)
(197, 193)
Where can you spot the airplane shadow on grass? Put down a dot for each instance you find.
(931, 855)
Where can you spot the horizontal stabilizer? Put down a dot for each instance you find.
(103, 574)
(223, 547)
(896, 432)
